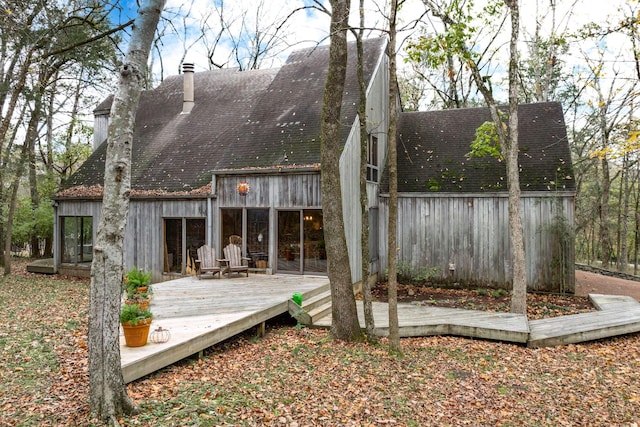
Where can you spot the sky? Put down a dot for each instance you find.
(182, 22)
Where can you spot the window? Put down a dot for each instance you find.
(182, 238)
(253, 226)
(301, 247)
(372, 159)
(77, 239)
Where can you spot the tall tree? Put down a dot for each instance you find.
(510, 151)
(345, 325)
(455, 40)
(39, 42)
(108, 394)
(364, 199)
(394, 327)
(435, 60)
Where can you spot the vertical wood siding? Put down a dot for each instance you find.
(472, 233)
(144, 239)
(351, 209)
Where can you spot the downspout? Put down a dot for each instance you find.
(210, 198)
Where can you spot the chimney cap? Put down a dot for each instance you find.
(187, 67)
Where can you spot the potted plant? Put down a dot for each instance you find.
(135, 323)
(137, 280)
(135, 297)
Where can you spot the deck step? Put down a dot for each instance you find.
(608, 302)
(320, 312)
(313, 308)
(316, 300)
(320, 290)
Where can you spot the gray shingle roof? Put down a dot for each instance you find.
(432, 149)
(248, 119)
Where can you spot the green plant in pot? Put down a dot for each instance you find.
(137, 280)
(135, 323)
(140, 298)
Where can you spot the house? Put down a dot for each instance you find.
(224, 153)
(461, 202)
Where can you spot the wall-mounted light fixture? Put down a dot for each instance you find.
(243, 188)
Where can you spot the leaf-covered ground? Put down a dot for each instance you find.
(497, 300)
(299, 377)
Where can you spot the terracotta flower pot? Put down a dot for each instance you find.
(136, 335)
(142, 303)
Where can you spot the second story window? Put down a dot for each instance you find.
(372, 159)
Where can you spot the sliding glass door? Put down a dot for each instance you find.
(301, 242)
(252, 225)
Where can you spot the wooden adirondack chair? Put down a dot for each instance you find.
(236, 263)
(207, 262)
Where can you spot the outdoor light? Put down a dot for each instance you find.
(243, 188)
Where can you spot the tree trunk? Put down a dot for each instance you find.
(519, 287)
(32, 135)
(623, 223)
(345, 325)
(13, 202)
(367, 298)
(636, 237)
(108, 394)
(392, 297)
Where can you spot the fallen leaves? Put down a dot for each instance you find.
(539, 306)
(298, 377)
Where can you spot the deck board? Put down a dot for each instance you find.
(617, 315)
(419, 320)
(202, 313)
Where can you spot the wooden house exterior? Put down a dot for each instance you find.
(225, 153)
(257, 128)
(453, 209)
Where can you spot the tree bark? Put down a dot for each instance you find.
(392, 297)
(345, 325)
(367, 298)
(13, 202)
(519, 286)
(108, 394)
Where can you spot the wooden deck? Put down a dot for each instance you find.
(616, 315)
(420, 320)
(201, 313)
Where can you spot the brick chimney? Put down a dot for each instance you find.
(188, 101)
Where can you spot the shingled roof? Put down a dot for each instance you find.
(433, 148)
(241, 120)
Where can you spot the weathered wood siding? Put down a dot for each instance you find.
(378, 125)
(471, 232)
(144, 241)
(278, 191)
(143, 244)
(284, 190)
(351, 209)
